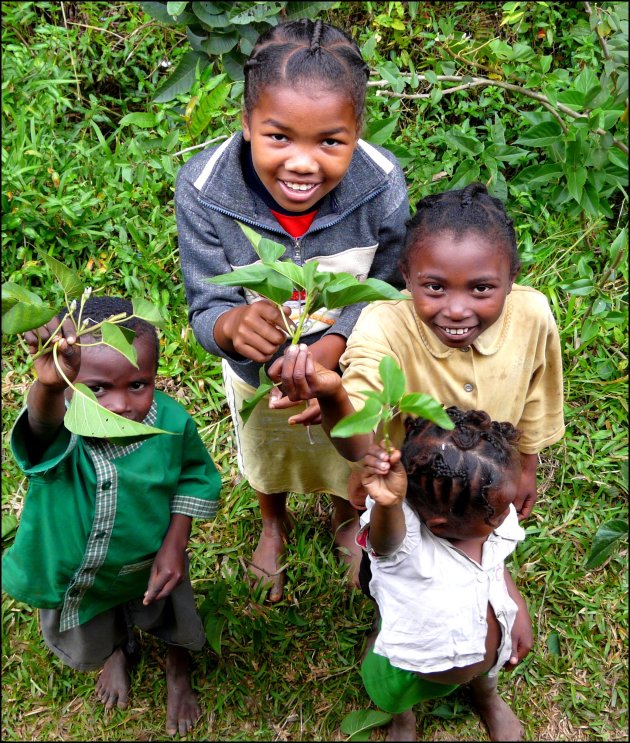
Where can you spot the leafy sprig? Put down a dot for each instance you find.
(382, 407)
(277, 279)
(23, 310)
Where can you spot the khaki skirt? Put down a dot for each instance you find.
(275, 457)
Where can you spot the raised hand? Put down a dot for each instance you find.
(384, 477)
(68, 353)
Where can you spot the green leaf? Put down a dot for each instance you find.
(393, 380)
(21, 317)
(260, 278)
(537, 175)
(141, 119)
(181, 79)
(363, 421)
(363, 720)
(145, 310)
(213, 626)
(210, 106)
(9, 524)
(13, 293)
(468, 145)
(605, 541)
(378, 132)
(425, 406)
(121, 340)
(267, 250)
(541, 135)
(68, 279)
(86, 417)
(264, 387)
(344, 289)
(553, 643)
(466, 172)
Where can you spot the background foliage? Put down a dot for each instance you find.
(530, 98)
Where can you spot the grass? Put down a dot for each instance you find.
(287, 672)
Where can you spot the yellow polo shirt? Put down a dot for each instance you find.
(513, 370)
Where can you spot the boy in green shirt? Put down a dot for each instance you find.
(102, 540)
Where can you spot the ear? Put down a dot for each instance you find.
(405, 276)
(408, 423)
(436, 521)
(247, 136)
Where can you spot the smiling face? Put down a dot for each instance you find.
(119, 386)
(458, 284)
(302, 143)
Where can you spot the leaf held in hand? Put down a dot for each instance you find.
(363, 421)
(70, 282)
(86, 417)
(425, 406)
(121, 340)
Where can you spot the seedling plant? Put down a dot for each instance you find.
(23, 310)
(278, 279)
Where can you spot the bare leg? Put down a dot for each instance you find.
(266, 562)
(402, 727)
(112, 687)
(501, 722)
(345, 524)
(182, 707)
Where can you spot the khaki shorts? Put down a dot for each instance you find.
(275, 457)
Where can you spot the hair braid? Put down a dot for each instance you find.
(469, 209)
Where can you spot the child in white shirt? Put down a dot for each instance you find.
(439, 524)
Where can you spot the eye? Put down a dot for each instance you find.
(97, 389)
(278, 137)
(137, 385)
(331, 142)
(434, 287)
(483, 289)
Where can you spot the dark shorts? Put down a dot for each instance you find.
(174, 619)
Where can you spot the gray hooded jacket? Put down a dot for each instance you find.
(359, 228)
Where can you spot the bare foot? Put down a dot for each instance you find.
(502, 723)
(402, 727)
(182, 707)
(266, 563)
(112, 687)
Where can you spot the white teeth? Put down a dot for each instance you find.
(456, 331)
(299, 186)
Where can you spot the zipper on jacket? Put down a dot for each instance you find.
(297, 250)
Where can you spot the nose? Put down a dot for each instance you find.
(301, 160)
(458, 308)
(118, 402)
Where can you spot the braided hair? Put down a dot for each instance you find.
(98, 309)
(306, 52)
(460, 211)
(452, 471)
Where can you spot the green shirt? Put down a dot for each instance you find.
(95, 514)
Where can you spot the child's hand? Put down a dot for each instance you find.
(255, 331)
(301, 377)
(527, 492)
(384, 477)
(167, 572)
(68, 354)
(522, 638)
(311, 416)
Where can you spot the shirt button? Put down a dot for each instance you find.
(468, 387)
(100, 534)
(465, 349)
(107, 484)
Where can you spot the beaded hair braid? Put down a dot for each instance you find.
(452, 471)
(459, 211)
(306, 52)
(97, 309)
